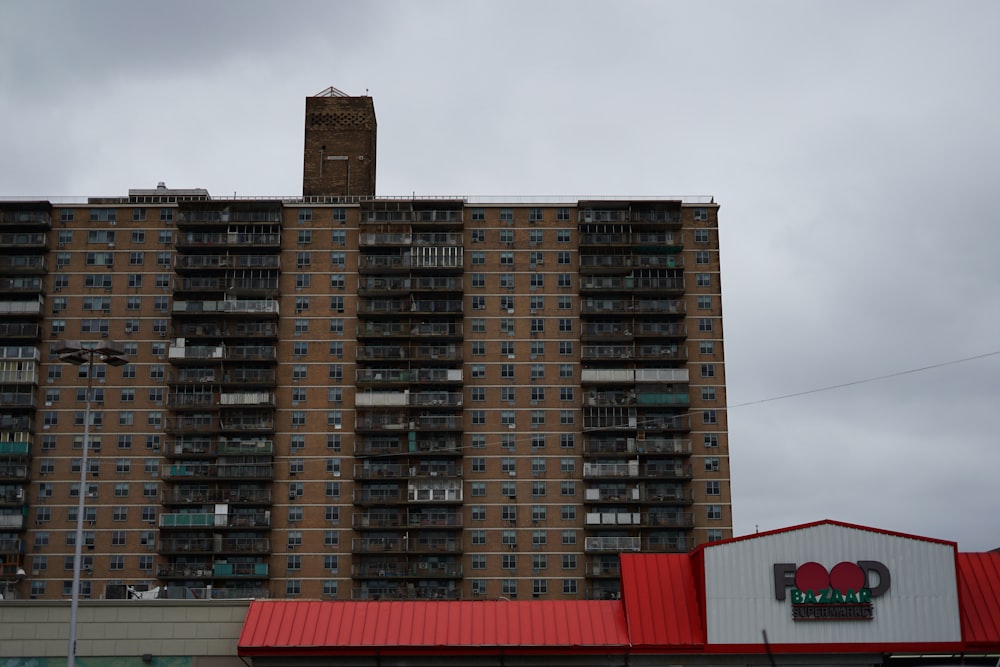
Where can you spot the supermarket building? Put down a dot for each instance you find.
(824, 593)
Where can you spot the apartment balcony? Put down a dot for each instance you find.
(11, 550)
(611, 331)
(13, 495)
(191, 423)
(383, 285)
(604, 263)
(24, 240)
(211, 571)
(378, 519)
(375, 567)
(383, 263)
(446, 352)
(249, 239)
(39, 219)
(652, 352)
(22, 264)
(17, 400)
(378, 470)
(660, 445)
(438, 284)
(594, 306)
(267, 286)
(192, 400)
(209, 520)
(13, 469)
(422, 216)
(384, 239)
(607, 352)
(399, 422)
(659, 217)
(10, 331)
(438, 239)
(609, 445)
(20, 353)
(667, 469)
(382, 519)
(13, 519)
(425, 542)
(612, 518)
(658, 261)
(660, 329)
(196, 217)
(407, 329)
(409, 306)
(202, 353)
(198, 546)
(379, 494)
(657, 239)
(8, 375)
(21, 285)
(229, 376)
(599, 567)
(199, 494)
(248, 422)
(611, 470)
(683, 520)
(605, 239)
(201, 446)
(21, 308)
(663, 493)
(431, 491)
(226, 329)
(374, 377)
(660, 422)
(396, 444)
(612, 544)
(216, 262)
(671, 543)
(17, 423)
(15, 444)
(228, 306)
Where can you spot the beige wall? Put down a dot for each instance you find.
(125, 628)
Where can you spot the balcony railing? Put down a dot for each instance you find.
(23, 240)
(612, 544)
(267, 306)
(228, 240)
(9, 330)
(22, 264)
(227, 261)
(197, 495)
(210, 520)
(202, 545)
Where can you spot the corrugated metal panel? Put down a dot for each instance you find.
(661, 603)
(979, 588)
(921, 605)
(283, 626)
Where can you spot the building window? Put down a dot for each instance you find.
(708, 370)
(706, 347)
(713, 488)
(701, 236)
(709, 417)
(714, 512)
(702, 257)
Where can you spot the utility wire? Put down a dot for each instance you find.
(866, 380)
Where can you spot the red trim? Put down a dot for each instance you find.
(824, 522)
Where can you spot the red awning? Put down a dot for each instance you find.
(979, 599)
(289, 627)
(661, 602)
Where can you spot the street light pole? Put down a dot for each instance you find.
(74, 352)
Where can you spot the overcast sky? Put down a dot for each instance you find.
(853, 148)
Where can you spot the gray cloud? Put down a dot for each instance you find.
(851, 144)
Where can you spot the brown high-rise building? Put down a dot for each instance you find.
(345, 396)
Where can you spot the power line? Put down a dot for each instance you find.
(866, 380)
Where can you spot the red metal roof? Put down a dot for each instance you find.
(280, 627)
(661, 600)
(979, 599)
